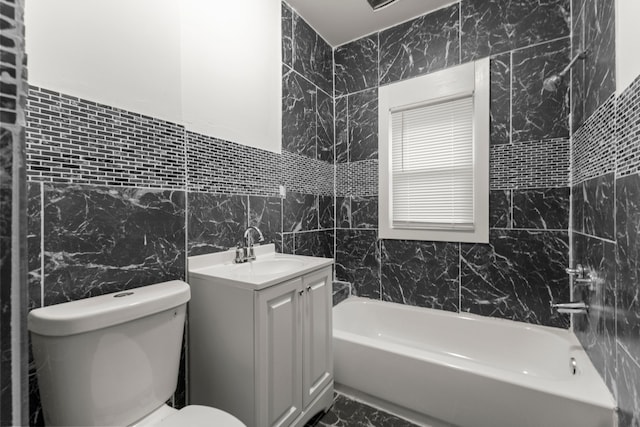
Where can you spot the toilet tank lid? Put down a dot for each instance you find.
(94, 313)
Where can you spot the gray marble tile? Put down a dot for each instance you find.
(423, 274)
(342, 130)
(501, 99)
(420, 46)
(312, 55)
(500, 209)
(539, 114)
(34, 244)
(599, 66)
(300, 212)
(628, 390)
(363, 125)
(358, 261)
(516, 276)
(628, 264)
(490, 27)
(324, 128)
(298, 114)
(596, 329)
(99, 240)
(326, 207)
(542, 208)
(341, 291)
(598, 206)
(216, 222)
(318, 243)
(347, 412)
(266, 214)
(356, 65)
(287, 35)
(364, 212)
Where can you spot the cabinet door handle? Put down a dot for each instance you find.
(308, 288)
(301, 291)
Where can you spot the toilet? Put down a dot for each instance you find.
(113, 360)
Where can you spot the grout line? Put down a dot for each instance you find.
(41, 244)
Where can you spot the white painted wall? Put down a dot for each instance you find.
(118, 52)
(213, 66)
(231, 70)
(627, 39)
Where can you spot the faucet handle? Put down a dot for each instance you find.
(578, 271)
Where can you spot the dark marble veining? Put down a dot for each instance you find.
(34, 245)
(422, 45)
(342, 130)
(628, 390)
(596, 329)
(266, 214)
(347, 412)
(544, 208)
(343, 212)
(364, 212)
(424, 274)
(577, 207)
(539, 114)
(598, 206)
(363, 125)
(324, 127)
(312, 56)
(577, 71)
(326, 206)
(288, 243)
(216, 222)
(599, 66)
(317, 243)
(357, 261)
(356, 65)
(99, 240)
(6, 161)
(300, 212)
(628, 264)
(501, 99)
(500, 209)
(341, 291)
(287, 35)
(495, 26)
(298, 114)
(516, 276)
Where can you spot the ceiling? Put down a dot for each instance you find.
(341, 21)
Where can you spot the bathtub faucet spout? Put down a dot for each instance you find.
(574, 307)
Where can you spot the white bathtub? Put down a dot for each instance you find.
(441, 368)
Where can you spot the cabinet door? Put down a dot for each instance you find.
(318, 335)
(279, 354)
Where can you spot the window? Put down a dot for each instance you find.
(434, 156)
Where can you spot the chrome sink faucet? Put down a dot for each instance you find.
(245, 253)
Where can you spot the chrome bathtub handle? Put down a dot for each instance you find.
(574, 366)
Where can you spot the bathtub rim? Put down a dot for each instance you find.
(573, 387)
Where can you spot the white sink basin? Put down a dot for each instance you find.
(267, 269)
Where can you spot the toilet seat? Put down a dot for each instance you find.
(200, 416)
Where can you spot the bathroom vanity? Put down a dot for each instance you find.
(260, 336)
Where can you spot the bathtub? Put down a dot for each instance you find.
(441, 369)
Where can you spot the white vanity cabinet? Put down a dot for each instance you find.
(262, 353)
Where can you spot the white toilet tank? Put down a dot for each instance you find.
(111, 359)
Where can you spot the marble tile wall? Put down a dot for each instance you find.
(307, 139)
(522, 269)
(13, 196)
(605, 193)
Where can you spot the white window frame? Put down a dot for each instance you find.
(462, 80)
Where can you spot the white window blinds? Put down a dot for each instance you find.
(432, 165)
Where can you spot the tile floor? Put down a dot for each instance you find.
(346, 412)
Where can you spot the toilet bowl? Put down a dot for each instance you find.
(114, 360)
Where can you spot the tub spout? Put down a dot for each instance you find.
(574, 307)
